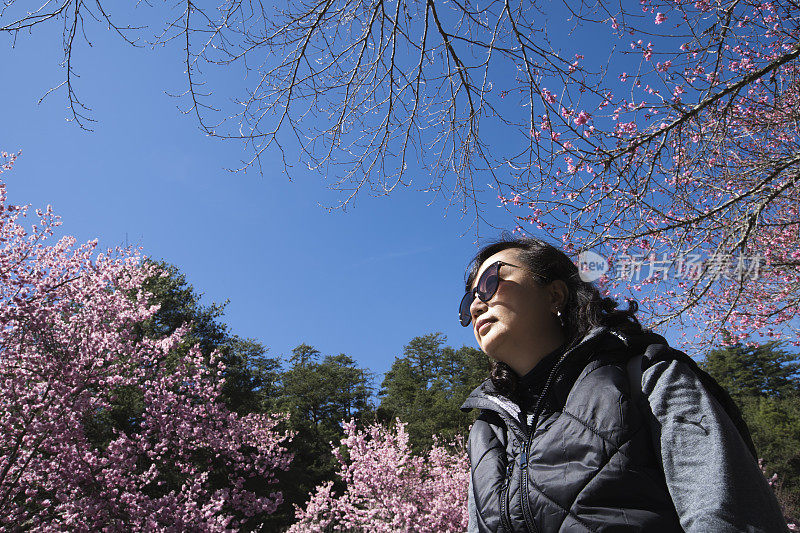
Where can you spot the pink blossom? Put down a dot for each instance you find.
(648, 52)
(626, 127)
(702, 5)
(660, 17)
(582, 118)
(389, 489)
(68, 316)
(549, 97)
(571, 167)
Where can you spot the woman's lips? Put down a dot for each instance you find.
(484, 327)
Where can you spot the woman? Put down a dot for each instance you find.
(610, 452)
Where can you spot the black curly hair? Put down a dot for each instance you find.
(585, 308)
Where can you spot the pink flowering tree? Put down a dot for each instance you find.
(388, 489)
(66, 351)
(661, 134)
(679, 163)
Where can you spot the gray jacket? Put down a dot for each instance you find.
(590, 468)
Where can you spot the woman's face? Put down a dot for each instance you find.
(522, 324)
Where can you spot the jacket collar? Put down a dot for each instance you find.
(486, 396)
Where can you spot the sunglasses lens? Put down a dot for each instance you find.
(487, 286)
(463, 309)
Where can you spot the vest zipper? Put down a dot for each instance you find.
(504, 512)
(527, 514)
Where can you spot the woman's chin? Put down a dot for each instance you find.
(489, 346)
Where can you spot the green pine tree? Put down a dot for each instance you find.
(318, 395)
(765, 383)
(426, 387)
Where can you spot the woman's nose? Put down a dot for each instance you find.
(477, 307)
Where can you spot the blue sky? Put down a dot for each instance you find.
(363, 282)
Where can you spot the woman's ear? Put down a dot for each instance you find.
(558, 295)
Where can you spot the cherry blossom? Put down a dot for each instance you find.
(67, 348)
(388, 488)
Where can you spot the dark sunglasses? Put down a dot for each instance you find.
(485, 289)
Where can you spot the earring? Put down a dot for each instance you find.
(561, 319)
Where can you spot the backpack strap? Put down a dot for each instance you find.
(635, 376)
(634, 365)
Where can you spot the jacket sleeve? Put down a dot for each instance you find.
(715, 483)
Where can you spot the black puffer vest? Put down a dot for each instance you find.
(590, 464)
